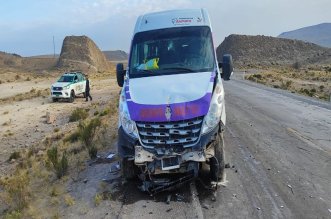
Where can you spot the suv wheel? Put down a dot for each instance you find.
(72, 96)
(55, 99)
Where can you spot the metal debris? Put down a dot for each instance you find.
(110, 156)
(290, 188)
(227, 165)
(115, 168)
(168, 199)
(205, 206)
(179, 197)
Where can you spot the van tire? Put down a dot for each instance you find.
(72, 96)
(217, 162)
(129, 169)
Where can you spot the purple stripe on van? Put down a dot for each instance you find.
(179, 111)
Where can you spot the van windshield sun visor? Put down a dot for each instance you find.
(172, 51)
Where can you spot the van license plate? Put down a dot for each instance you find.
(170, 163)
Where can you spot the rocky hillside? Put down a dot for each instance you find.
(10, 60)
(266, 51)
(80, 52)
(117, 55)
(15, 62)
(319, 34)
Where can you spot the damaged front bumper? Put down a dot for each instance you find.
(169, 163)
(167, 170)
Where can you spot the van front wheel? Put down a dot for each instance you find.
(217, 162)
(129, 169)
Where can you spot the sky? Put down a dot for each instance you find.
(27, 27)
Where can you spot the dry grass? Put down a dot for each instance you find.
(310, 82)
(33, 93)
(69, 200)
(40, 178)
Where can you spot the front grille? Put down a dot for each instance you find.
(57, 93)
(57, 88)
(166, 134)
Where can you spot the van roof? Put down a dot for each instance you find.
(173, 18)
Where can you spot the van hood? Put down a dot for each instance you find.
(169, 97)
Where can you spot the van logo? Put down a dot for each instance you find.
(168, 113)
(182, 21)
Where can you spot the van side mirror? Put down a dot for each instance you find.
(227, 67)
(120, 72)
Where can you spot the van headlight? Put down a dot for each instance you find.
(213, 116)
(125, 121)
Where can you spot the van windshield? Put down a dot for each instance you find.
(172, 51)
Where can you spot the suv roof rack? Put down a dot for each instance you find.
(74, 72)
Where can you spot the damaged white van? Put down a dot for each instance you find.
(171, 108)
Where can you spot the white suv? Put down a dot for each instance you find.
(68, 86)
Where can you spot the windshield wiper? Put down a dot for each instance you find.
(145, 71)
(179, 68)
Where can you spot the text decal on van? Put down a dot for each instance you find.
(182, 21)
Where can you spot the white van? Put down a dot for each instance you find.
(171, 111)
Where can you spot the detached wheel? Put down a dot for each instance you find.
(129, 170)
(72, 96)
(217, 162)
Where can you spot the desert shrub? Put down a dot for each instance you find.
(258, 76)
(296, 65)
(96, 113)
(17, 190)
(105, 112)
(78, 114)
(15, 155)
(87, 131)
(97, 199)
(13, 215)
(56, 130)
(313, 90)
(54, 192)
(285, 85)
(60, 166)
(69, 200)
(17, 77)
(73, 137)
(306, 92)
(321, 87)
(1, 82)
(28, 79)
